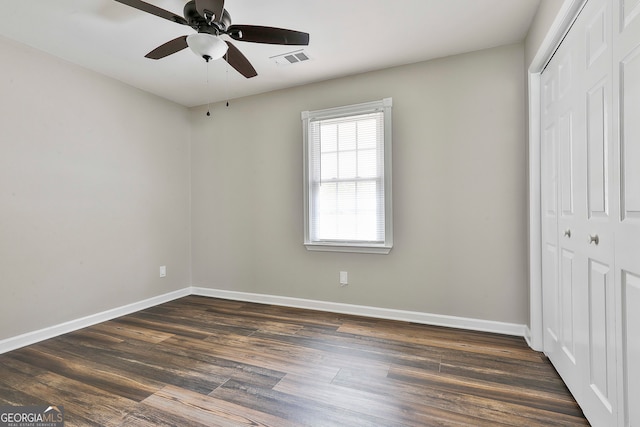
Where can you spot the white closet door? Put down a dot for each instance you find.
(563, 190)
(627, 84)
(579, 293)
(591, 211)
(599, 402)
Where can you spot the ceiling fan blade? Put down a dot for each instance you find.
(168, 48)
(210, 9)
(237, 60)
(154, 10)
(269, 35)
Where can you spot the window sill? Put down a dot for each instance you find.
(354, 248)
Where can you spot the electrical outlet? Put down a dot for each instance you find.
(344, 278)
(163, 271)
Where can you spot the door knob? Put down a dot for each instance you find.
(567, 233)
(594, 239)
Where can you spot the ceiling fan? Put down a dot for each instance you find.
(211, 20)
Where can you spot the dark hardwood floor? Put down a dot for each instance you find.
(201, 361)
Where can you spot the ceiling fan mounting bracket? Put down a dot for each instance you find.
(205, 23)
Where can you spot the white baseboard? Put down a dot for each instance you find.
(73, 325)
(29, 338)
(362, 310)
(528, 337)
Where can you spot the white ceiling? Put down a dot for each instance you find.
(346, 37)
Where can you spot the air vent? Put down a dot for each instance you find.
(291, 57)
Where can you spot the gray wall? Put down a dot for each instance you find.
(94, 192)
(459, 189)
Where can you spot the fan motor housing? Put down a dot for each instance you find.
(200, 24)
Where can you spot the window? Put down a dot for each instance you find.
(347, 173)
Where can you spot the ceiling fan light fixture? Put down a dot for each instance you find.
(207, 45)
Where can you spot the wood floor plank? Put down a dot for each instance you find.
(328, 355)
(84, 404)
(388, 408)
(114, 328)
(85, 371)
(297, 409)
(505, 373)
(194, 407)
(226, 368)
(81, 370)
(499, 392)
(143, 365)
(283, 358)
(361, 353)
(184, 324)
(199, 361)
(146, 416)
(93, 336)
(484, 408)
(12, 396)
(445, 342)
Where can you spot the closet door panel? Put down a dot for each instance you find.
(630, 135)
(598, 150)
(568, 310)
(597, 34)
(549, 149)
(602, 343)
(567, 167)
(630, 11)
(631, 345)
(551, 296)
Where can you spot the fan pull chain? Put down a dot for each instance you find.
(207, 58)
(226, 85)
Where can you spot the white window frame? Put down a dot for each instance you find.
(383, 105)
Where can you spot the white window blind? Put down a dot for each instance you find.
(347, 174)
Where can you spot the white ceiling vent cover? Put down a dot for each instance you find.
(291, 57)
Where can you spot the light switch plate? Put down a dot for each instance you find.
(344, 278)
